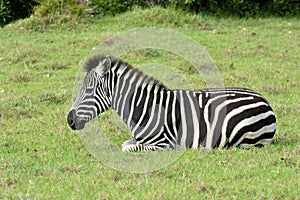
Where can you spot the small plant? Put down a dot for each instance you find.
(58, 7)
(4, 12)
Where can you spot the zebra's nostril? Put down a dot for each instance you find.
(71, 120)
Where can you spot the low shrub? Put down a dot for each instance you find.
(59, 7)
(65, 14)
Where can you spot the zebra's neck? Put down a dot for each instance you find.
(131, 90)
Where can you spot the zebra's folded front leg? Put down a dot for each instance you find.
(131, 146)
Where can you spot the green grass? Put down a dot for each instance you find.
(41, 158)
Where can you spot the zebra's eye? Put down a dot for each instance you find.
(89, 90)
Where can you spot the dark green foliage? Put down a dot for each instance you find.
(241, 8)
(11, 10)
(103, 7)
(282, 7)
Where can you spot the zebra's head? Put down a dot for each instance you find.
(94, 96)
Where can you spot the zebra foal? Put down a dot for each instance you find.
(160, 118)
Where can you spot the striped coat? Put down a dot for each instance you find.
(160, 118)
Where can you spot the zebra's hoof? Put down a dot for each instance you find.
(131, 141)
(129, 148)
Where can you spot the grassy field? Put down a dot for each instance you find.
(41, 158)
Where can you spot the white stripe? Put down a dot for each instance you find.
(195, 123)
(115, 90)
(154, 138)
(200, 100)
(172, 141)
(209, 134)
(265, 129)
(232, 91)
(233, 113)
(133, 99)
(116, 94)
(159, 142)
(222, 105)
(183, 121)
(144, 111)
(153, 113)
(174, 115)
(263, 142)
(79, 98)
(253, 135)
(145, 84)
(121, 92)
(128, 90)
(166, 118)
(249, 121)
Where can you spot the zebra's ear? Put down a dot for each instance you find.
(104, 65)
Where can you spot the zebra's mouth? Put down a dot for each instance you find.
(79, 124)
(75, 122)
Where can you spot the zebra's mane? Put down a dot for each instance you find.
(94, 62)
(148, 79)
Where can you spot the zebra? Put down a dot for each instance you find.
(160, 118)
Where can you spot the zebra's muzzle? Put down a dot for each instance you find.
(74, 122)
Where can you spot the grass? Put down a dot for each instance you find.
(41, 158)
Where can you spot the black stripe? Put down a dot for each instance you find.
(245, 114)
(202, 125)
(253, 127)
(267, 135)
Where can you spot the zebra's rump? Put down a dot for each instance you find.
(227, 117)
